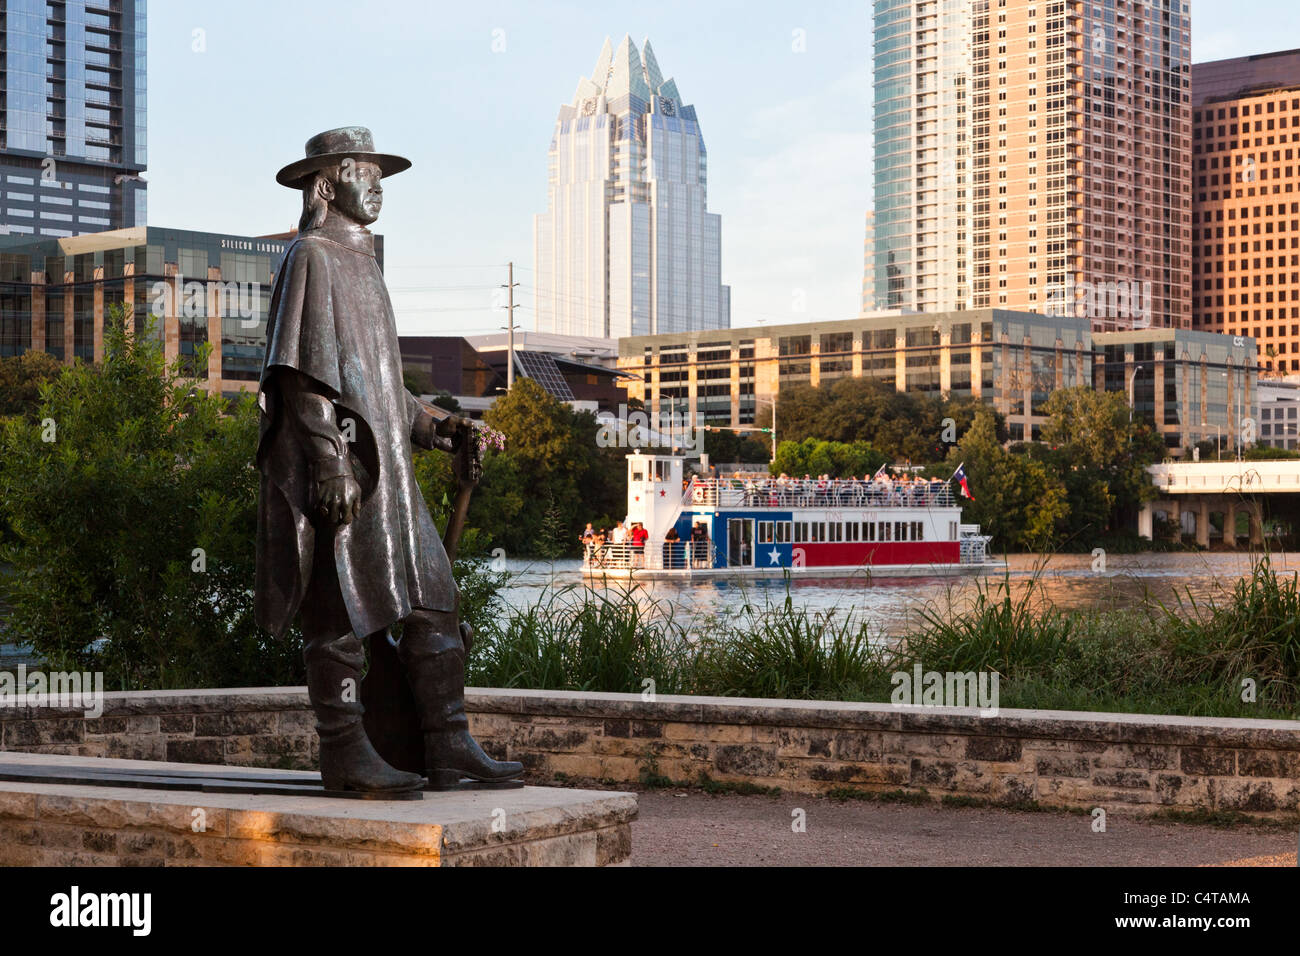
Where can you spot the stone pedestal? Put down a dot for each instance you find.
(46, 824)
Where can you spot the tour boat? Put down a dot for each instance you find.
(756, 527)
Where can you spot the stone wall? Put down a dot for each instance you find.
(1054, 758)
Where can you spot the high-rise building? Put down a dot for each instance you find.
(922, 68)
(72, 116)
(1245, 222)
(627, 246)
(868, 271)
(1034, 155)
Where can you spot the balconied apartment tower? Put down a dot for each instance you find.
(72, 116)
(1034, 155)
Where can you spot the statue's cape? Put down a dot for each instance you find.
(331, 319)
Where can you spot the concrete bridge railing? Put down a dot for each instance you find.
(1224, 488)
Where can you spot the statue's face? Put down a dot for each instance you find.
(358, 194)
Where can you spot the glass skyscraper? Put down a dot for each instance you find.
(72, 116)
(627, 246)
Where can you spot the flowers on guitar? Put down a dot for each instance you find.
(489, 437)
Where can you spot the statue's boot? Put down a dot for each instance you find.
(432, 652)
(348, 761)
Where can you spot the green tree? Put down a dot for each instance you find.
(837, 459)
(902, 426)
(133, 525)
(725, 445)
(1017, 499)
(551, 454)
(21, 378)
(1102, 456)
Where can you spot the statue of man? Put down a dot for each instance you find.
(344, 535)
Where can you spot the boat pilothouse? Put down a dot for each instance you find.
(758, 526)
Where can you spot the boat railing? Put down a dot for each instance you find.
(663, 556)
(974, 546)
(829, 493)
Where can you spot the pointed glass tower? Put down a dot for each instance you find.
(627, 246)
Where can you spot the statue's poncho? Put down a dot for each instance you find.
(331, 319)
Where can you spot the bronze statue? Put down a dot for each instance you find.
(343, 533)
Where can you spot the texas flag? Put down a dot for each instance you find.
(960, 475)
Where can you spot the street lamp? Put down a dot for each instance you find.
(1132, 381)
(1236, 452)
(772, 402)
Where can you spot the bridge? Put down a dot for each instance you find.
(1194, 493)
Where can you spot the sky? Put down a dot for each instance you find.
(469, 93)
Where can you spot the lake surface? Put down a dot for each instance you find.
(893, 604)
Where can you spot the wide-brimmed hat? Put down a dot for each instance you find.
(332, 147)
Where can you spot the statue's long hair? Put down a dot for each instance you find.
(314, 205)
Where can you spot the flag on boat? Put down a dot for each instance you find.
(960, 475)
(879, 471)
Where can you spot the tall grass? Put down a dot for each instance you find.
(1002, 632)
(576, 638)
(1184, 658)
(785, 651)
(1252, 634)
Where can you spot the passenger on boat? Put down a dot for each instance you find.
(672, 549)
(699, 546)
(617, 551)
(638, 534)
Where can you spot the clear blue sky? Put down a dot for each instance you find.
(788, 132)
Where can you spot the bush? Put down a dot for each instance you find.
(132, 527)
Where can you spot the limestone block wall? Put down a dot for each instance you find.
(1067, 759)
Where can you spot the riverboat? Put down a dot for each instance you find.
(760, 527)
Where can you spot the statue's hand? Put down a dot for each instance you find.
(338, 499)
(454, 427)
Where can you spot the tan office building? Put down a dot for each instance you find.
(1246, 203)
(1036, 159)
(1193, 386)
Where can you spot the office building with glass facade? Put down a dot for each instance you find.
(1279, 414)
(185, 288)
(1188, 383)
(72, 116)
(1194, 386)
(1246, 203)
(1034, 155)
(627, 245)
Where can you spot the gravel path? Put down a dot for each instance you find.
(690, 828)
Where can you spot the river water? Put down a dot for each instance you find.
(892, 605)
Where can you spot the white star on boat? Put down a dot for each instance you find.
(775, 555)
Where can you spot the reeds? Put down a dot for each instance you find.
(1186, 658)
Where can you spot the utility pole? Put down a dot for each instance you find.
(774, 433)
(510, 326)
